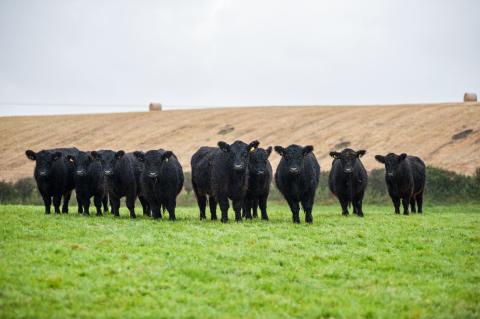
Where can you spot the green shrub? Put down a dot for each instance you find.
(442, 187)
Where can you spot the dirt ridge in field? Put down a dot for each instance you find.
(445, 135)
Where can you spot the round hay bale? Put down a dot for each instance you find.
(469, 97)
(155, 107)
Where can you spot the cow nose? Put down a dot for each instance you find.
(238, 167)
(42, 173)
(294, 170)
(81, 172)
(390, 174)
(108, 172)
(348, 170)
(152, 174)
(260, 172)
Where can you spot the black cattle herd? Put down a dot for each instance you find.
(238, 172)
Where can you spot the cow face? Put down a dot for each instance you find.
(238, 153)
(257, 163)
(348, 158)
(81, 162)
(392, 162)
(43, 161)
(294, 156)
(154, 161)
(108, 160)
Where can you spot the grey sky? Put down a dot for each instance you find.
(224, 53)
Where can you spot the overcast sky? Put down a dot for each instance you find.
(231, 53)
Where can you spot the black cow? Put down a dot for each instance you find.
(405, 178)
(259, 182)
(54, 176)
(348, 179)
(89, 181)
(161, 181)
(222, 174)
(297, 177)
(122, 172)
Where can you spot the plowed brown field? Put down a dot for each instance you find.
(424, 130)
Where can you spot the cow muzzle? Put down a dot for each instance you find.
(152, 175)
(108, 172)
(81, 172)
(238, 167)
(294, 170)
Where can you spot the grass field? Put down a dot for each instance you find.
(385, 265)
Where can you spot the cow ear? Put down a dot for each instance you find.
(380, 159)
(139, 155)
(95, 155)
(224, 146)
(253, 146)
(166, 155)
(31, 155)
(307, 150)
(280, 150)
(71, 158)
(119, 154)
(56, 155)
(335, 154)
(269, 151)
(402, 157)
(360, 153)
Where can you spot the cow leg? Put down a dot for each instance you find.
(57, 199)
(405, 202)
(171, 209)
(396, 204)
(115, 203)
(237, 207)
(344, 204)
(130, 201)
(213, 207)
(79, 203)
(156, 211)
(47, 201)
(97, 201)
(262, 202)
(307, 207)
(295, 208)
(105, 203)
(86, 206)
(357, 204)
(145, 206)
(419, 198)
(66, 199)
(202, 203)
(412, 204)
(224, 205)
(247, 208)
(255, 208)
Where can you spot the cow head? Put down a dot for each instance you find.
(348, 158)
(238, 153)
(43, 161)
(108, 159)
(391, 161)
(154, 161)
(257, 163)
(294, 157)
(81, 162)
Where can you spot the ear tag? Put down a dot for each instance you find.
(166, 160)
(71, 160)
(252, 149)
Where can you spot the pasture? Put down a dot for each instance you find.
(381, 266)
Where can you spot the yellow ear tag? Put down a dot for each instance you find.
(252, 149)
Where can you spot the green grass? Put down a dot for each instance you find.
(384, 265)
